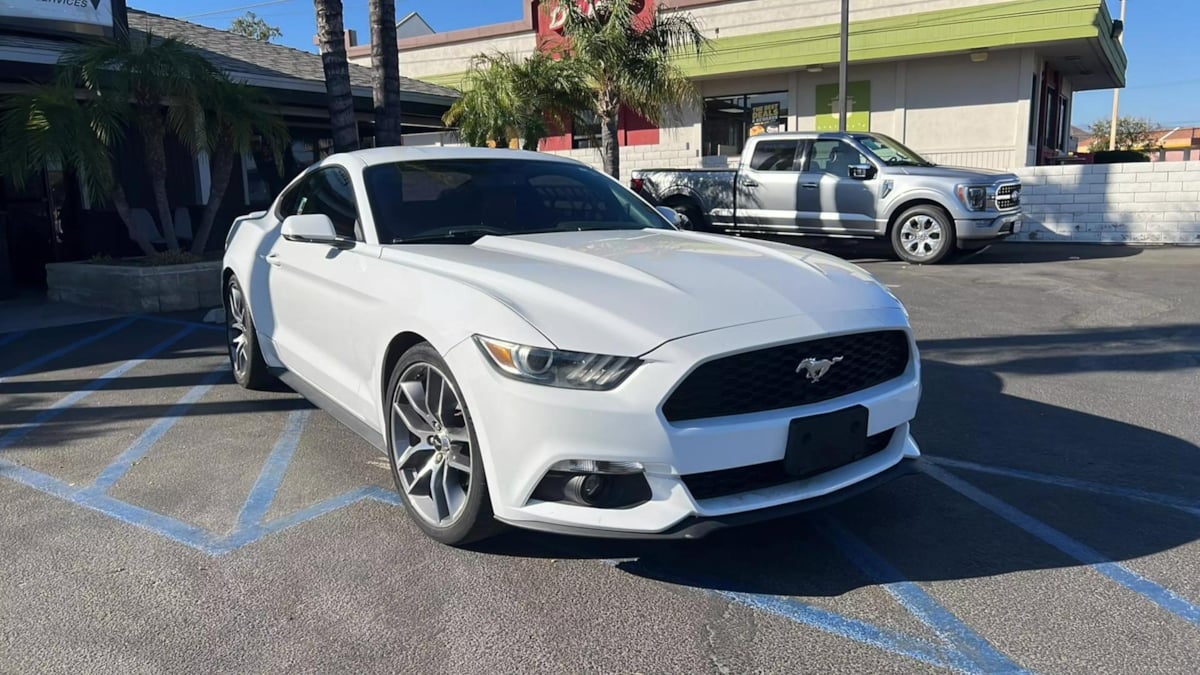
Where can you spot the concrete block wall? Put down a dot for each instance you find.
(634, 157)
(1144, 203)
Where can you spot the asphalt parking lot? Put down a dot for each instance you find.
(154, 517)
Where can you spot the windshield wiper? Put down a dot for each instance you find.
(453, 235)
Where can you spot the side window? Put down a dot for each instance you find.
(833, 157)
(330, 192)
(774, 156)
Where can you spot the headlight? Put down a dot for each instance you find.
(974, 197)
(556, 368)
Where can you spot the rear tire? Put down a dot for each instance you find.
(693, 218)
(245, 356)
(923, 235)
(434, 452)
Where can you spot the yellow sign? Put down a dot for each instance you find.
(767, 113)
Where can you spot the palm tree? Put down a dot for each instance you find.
(152, 75)
(237, 116)
(628, 62)
(507, 98)
(385, 73)
(331, 33)
(50, 126)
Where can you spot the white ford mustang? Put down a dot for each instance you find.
(533, 344)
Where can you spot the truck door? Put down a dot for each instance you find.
(830, 200)
(767, 185)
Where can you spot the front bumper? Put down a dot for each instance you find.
(525, 428)
(991, 227)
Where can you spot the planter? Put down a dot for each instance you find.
(136, 288)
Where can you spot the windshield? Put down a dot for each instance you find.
(891, 151)
(461, 200)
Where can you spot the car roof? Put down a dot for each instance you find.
(392, 155)
(805, 135)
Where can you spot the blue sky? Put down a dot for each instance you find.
(1163, 76)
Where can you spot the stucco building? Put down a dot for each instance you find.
(977, 82)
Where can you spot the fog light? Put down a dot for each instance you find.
(587, 489)
(597, 466)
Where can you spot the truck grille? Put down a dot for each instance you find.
(713, 484)
(772, 378)
(1008, 196)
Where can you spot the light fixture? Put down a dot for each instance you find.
(732, 111)
(979, 56)
(815, 68)
(1118, 28)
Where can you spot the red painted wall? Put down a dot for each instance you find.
(633, 129)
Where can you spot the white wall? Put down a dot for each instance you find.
(1134, 203)
(456, 58)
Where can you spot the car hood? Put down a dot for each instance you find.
(627, 292)
(961, 173)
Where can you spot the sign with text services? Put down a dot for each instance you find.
(73, 16)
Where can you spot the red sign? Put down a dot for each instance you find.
(551, 16)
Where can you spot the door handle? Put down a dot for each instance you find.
(809, 186)
(275, 259)
(749, 182)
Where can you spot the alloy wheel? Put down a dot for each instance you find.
(429, 422)
(235, 331)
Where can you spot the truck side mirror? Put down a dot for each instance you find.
(861, 171)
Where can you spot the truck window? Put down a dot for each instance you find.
(833, 157)
(774, 156)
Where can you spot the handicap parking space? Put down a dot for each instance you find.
(155, 516)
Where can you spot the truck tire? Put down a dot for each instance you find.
(693, 218)
(923, 235)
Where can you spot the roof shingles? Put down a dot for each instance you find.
(240, 55)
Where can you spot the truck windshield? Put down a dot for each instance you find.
(891, 151)
(456, 201)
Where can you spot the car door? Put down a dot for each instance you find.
(321, 295)
(831, 201)
(767, 186)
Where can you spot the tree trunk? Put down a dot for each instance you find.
(222, 169)
(121, 204)
(154, 148)
(385, 73)
(610, 148)
(332, 35)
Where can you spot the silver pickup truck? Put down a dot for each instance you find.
(843, 185)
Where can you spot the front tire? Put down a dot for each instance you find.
(923, 235)
(434, 452)
(245, 356)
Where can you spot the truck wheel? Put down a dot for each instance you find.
(693, 218)
(923, 235)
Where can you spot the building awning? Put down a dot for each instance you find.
(1076, 36)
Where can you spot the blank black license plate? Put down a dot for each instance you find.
(824, 442)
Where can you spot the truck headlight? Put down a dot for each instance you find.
(557, 368)
(974, 197)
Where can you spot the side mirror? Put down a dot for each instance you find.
(673, 217)
(861, 171)
(314, 228)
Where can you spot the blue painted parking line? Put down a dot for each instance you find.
(971, 652)
(1159, 595)
(1186, 505)
(6, 340)
(124, 462)
(82, 342)
(250, 534)
(271, 476)
(180, 322)
(58, 407)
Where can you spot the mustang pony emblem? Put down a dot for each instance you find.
(815, 369)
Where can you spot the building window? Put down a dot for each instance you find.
(730, 120)
(586, 133)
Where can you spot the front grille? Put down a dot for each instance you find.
(712, 484)
(1008, 196)
(771, 379)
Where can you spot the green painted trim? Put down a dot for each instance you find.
(451, 80)
(1113, 50)
(1005, 24)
